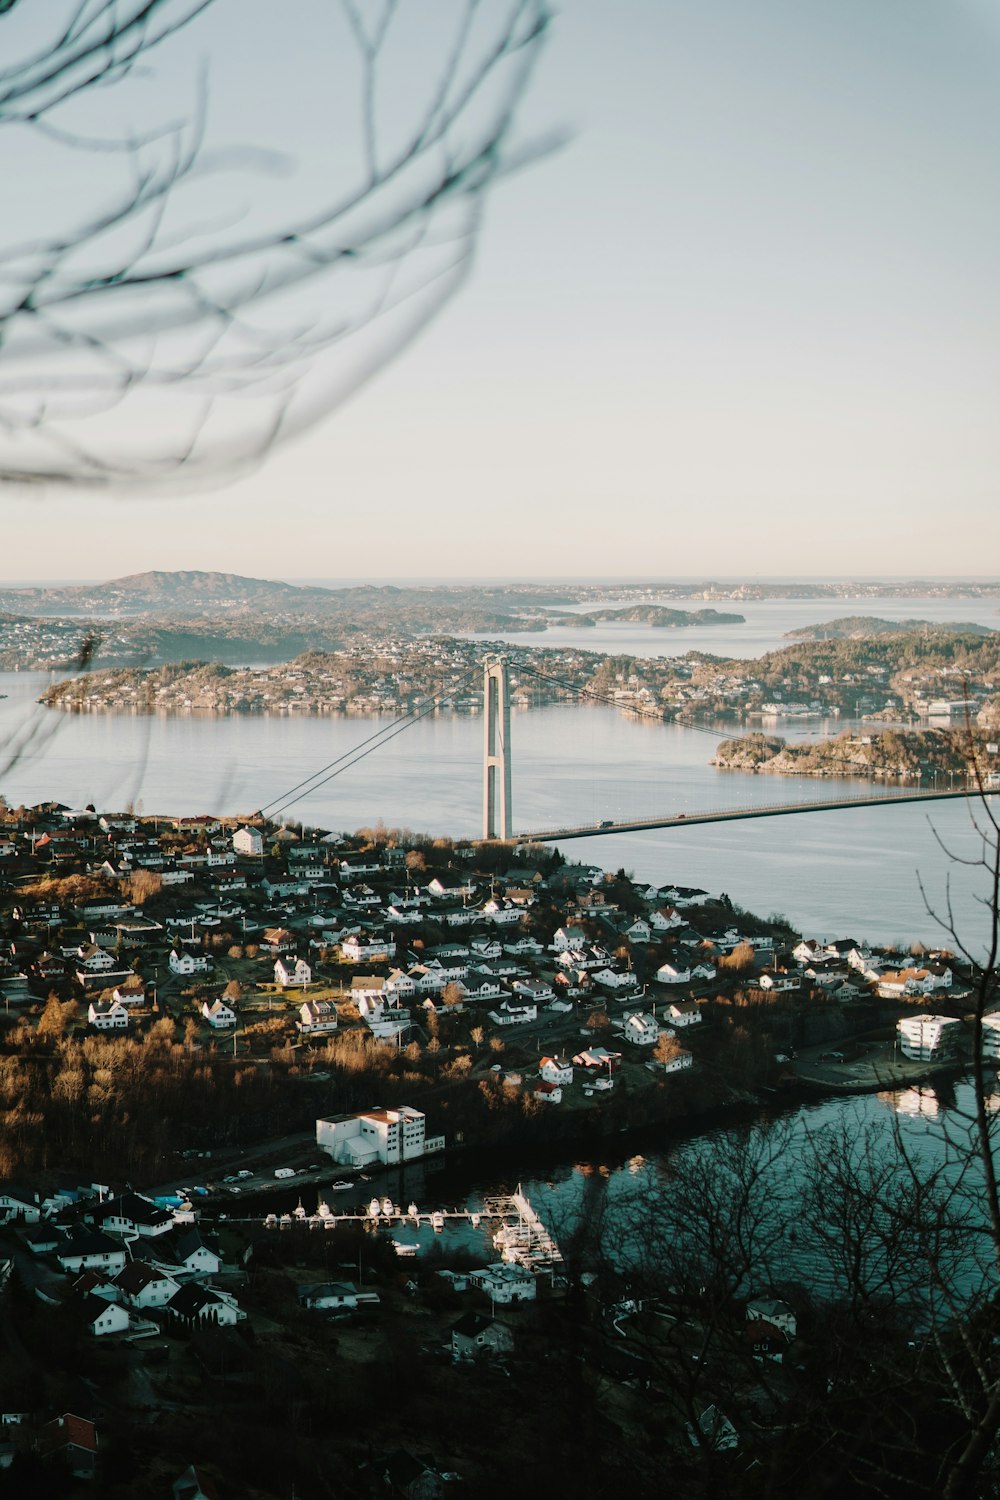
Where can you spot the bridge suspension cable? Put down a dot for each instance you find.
(359, 752)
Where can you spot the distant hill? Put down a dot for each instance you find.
(166, 592)
(860, 627)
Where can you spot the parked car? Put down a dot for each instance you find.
(284, 1171)
(244, 1173)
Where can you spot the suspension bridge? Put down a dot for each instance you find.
(497, 769)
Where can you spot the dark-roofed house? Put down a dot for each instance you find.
(183, 1253)
(475, 1334)
(131, 1215)
(18, 1205)
(142, 1285)
(192, 1304)
(101, 1317)
(41, 1239)
(334, 1294)
(82, 1249)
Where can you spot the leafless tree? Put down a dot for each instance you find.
(156, 331)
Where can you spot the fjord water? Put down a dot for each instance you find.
(765, 627)
(853, 872)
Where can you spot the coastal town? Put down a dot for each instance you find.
(207, 1017)
(905, 678)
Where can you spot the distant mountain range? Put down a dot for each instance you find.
(163, 592)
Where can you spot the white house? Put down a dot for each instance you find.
(640, 1029)
(131, 1215)
(292, 973)
(143, 1286)
(567, 937)
(897, 982)
(927, 1038)
(505, 1283)
(218, 1014)
(249, 841)
(331, 1295)
(101, 1318)
(361, 947)
(808, 951)
(193, 1304)
(182, 962)
(108, 1015)
(555, 1070)
(535, 991)
(684, 1013)
(547, 1093)
(400, 985)
(94, 960)
(485, 947)
(19, 1207)
(614, 980)
(639, 931)
(514, 1012)
(665, 919)
(776, 983)
(523, 947)
(773, 1310)
(82, 1249)
(673, 973)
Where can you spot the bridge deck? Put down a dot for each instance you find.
(735, 814)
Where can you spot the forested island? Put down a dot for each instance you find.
(660, 617)
(859, 627)
(890, 755)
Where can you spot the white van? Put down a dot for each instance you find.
(284, 1172)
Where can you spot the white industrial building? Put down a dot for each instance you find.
(382, 1135)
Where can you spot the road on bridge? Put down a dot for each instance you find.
(735, 814)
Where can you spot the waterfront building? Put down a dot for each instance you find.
(927, 1038)
(383, 1135)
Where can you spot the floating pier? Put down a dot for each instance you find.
(520, 1235)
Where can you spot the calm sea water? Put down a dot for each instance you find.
(623, 1183)
(767, 624)
(856, 872)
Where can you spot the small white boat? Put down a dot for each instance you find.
(388, 1208)
(374, 1208)
(405, 1249)
(323, 1210)
(413, 1213)
(298, 1211)
(474, 1220)
(437, 1221)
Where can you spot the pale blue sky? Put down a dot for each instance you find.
(747, 320)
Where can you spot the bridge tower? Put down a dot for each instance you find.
(496, 750)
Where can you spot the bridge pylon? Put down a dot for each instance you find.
(496, 750)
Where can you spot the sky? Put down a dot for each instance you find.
(744, 320)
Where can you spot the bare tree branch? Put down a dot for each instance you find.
(223, 338)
